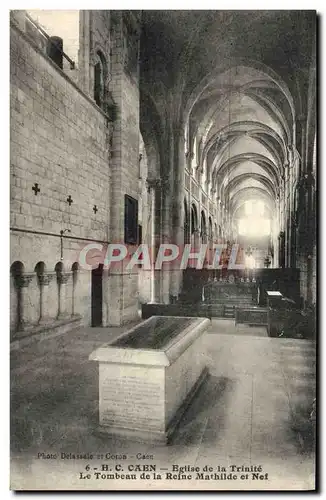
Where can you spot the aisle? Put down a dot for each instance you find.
(243, 416)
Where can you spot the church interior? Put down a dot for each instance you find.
(177, 130)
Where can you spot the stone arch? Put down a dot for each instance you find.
(249, 128)
(58, 268)
(194, 218)
(237, 181)
(40, 270)
(17, 269)
(229, 64)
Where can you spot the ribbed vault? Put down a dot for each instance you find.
(240, 127)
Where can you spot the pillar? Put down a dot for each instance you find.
(62, 279)
(84, 51)
(154, 189)
(21, 284)
(166, 224)
(124, 164)
(178, 215)
(44, 280)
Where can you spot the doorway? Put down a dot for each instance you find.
(97, 298)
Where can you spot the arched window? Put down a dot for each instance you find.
(100, 75)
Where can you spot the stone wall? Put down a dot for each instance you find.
(59, 140)
(65, 160)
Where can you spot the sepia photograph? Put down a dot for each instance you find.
(163, 250)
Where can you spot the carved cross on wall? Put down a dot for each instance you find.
(36, 189)
(95, 209)
(70, 200)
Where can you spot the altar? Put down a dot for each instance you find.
(149, 375)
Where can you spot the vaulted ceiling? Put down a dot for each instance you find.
(238, 80)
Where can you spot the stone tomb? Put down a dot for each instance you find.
(148, 376)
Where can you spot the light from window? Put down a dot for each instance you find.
(254, 226)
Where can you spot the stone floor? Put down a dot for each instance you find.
(248, 414)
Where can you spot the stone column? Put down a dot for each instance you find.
(178, 193)
(44, 280)
(62, 279)
(166, 225)
(21, 284)
(73, 292)
(153, 187)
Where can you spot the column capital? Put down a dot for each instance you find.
(63, 278)
(153, 183)
(23, 281)
(45, 279)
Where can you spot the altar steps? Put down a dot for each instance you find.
(229, 311)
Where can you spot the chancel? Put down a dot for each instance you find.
(163, 169)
